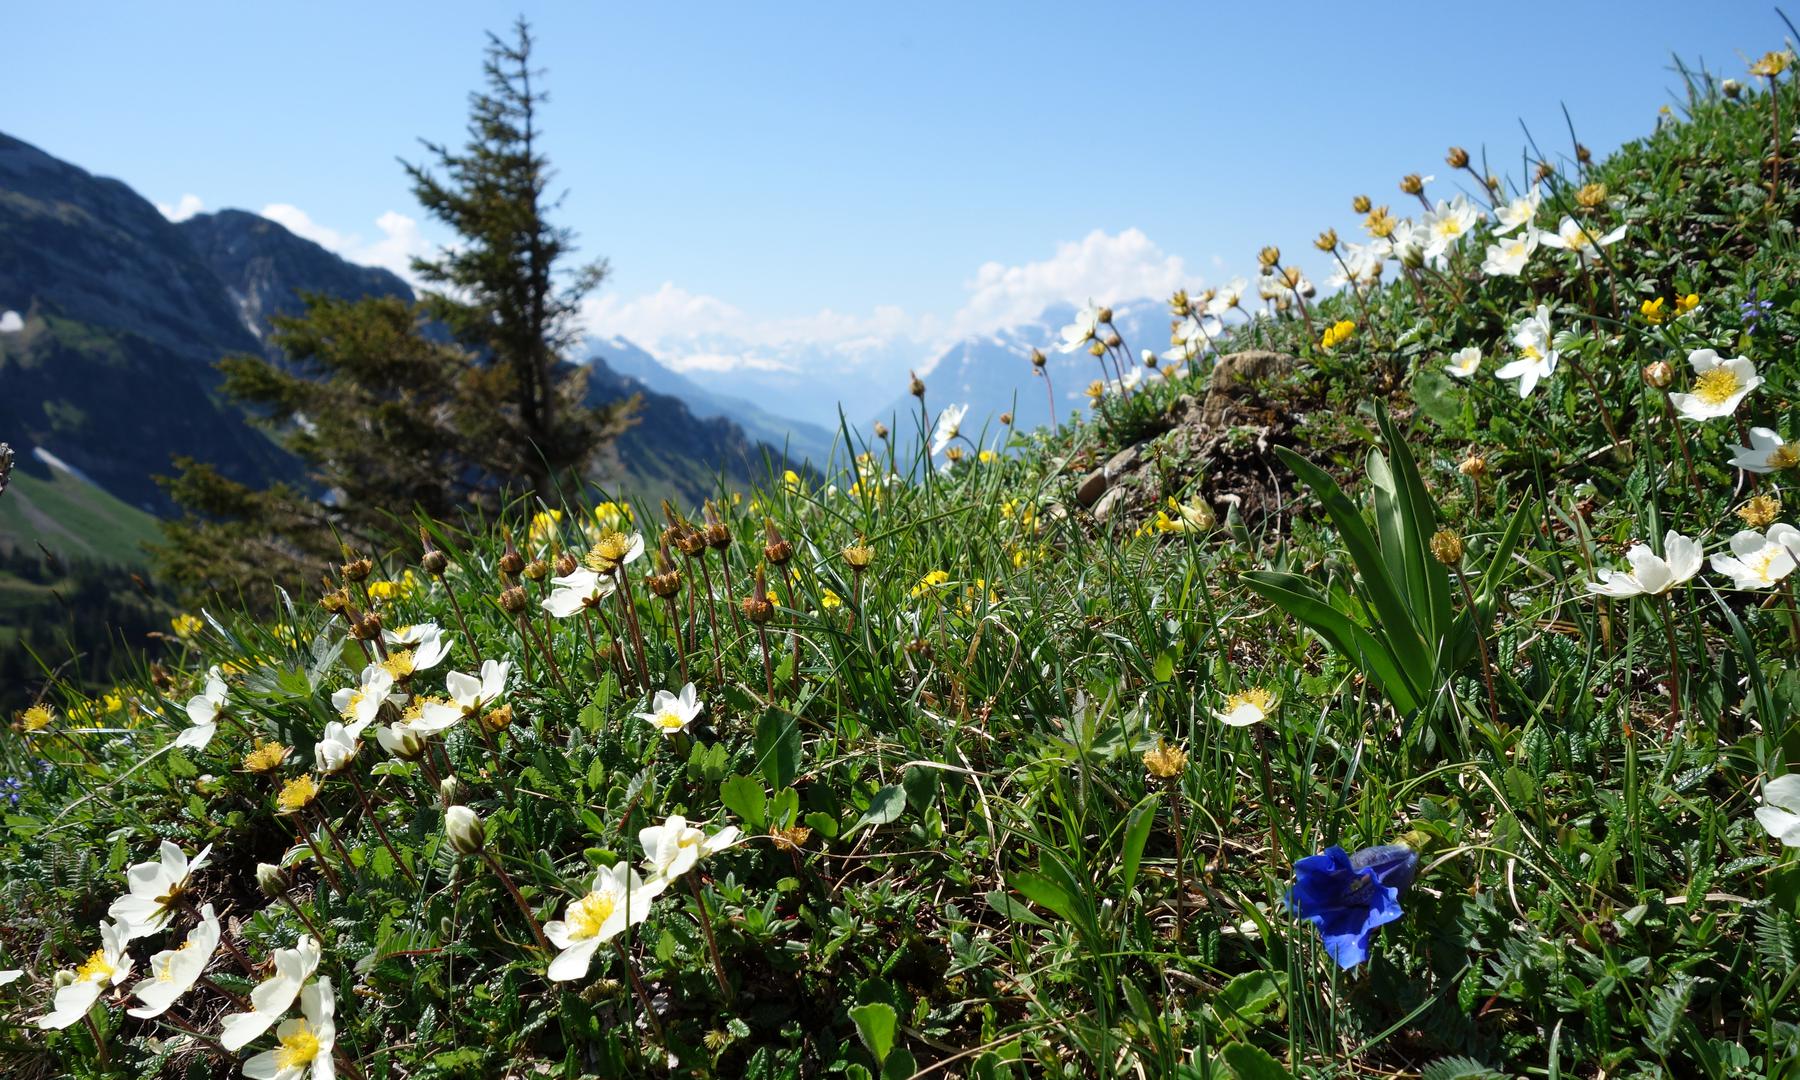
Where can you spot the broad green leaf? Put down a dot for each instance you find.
(778, 747)
(1045, 894)
(744, 796)
(1253, 1063)
(876, 1024)
(1137, 832)
(889, 803)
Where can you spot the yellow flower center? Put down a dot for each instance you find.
(298, 1047)
(1531, 352)
(669, 720)
(266, 756)
(350, 707)
(1256, 697)
(590, 913)
(399, 664)
(36, 718)
(296, 794)
(1716, 385)
(95, 968)
(1785, 456)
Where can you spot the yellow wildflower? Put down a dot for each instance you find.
(1685, 304)
(296, 794)
(1336, 334)
(36, 718)
(1772, 64)
(1652, 311)
(267, 757)
(929, 582)
(829, 600)
(186, 626)
(403, 589)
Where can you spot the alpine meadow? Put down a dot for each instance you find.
(1393, 676)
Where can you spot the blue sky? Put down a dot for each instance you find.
(823, 171)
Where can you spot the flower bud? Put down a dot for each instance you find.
(513, 600)
(1268, 257)
(1446, 547)
(1148, 357)
(1166, 762)
(916, 387)
(1457, 158)
(1412, 184)
(271, 879)
(1096, 349)
(1362, 204)
(1544, 171)
(1104, 315)
(463, 827)
(1583, 154)
(356, 569)
(1327, 241)
(1474, 466)
(452, 790)
(1731, 88)
(434, 563)
(511, 562)
(1659, 374)
(775, 549)
(1038, 360)
(881, 430)
(567, 564)
(1179, 305)
(757, 607)
(536, 570)
(1006, 419)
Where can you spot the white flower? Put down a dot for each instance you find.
(173, 972)
(1518, 212)
(1651, 575)
(425, 644)
(1192, 339)
(1537, 352)
(1580, 240)
(1759, 560)
(360, 703)
(106, 967)
(672, 848)
(618, 899)
(472, 695)
(1718, 385)
(1360, 266)
(155, 888)
(1407, 242)
(307, 1042)
(672, 713)
(203, 714)
(949, 425)
(1228, 297)
(1464, 362)
(1246, 707)
(1768, 452)
(1446, 225)
(578, 591)
(1507, 257)
(400, 740)
(1779, 815)
(338, 747)
(272, 997)
(1077, 334)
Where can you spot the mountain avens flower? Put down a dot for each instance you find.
(1651, 574)
(1760, 560)
(1507, 256)
(360, 703)
(671, 714)
(463, 828)
(1537, 352)
(36, 718)
(306, 1042)
(1779, 815)
(1719, 385)
(470, 696)
(674, 847)
(105, 967)
(271, 998)
(1349, 897)
(155, 889)
(618, 899)
(1246, 707)
(266, 757)
(1520, 211)
(1166, 762)
(203, 711)
(1464, 362)
(1579, 240)
(297, 794)
(173, 972)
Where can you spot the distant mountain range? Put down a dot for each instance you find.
(125, 313)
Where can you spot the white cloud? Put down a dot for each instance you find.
(684, 328)
(1101, 267)
(185, 207)
(399, 241)
(11, 322)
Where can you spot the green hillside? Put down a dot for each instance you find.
(1401, 683)
(73, 519)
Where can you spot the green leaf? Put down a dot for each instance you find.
(1044, 893)
(1137, 832)
(778, 747)
(921, 784)
(744, 796)
(1459, 1068)
(889, 803)
(1253, 1063)
(876, 1024)
(1164, 668)
(1012, 909)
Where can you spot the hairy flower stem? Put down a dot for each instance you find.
(1050, 393)
(712, 620)
(637, 634)
(380, 829)
(1174, 783)
(712, 945)
(675, 628)
(301, 914)
(612, 639)
(243, 962)
(324, 863)
(99, 1043)
(762, 634)
(474, 650)
(537, 932)
(643, 996)
(737, 621)
(549, 656)
(1487, 669)
(1606, 417)
(1668, 614)
(331, 834)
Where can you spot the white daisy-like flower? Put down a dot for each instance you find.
(1447, 224)
(1246, 707)
(271, 998)
(577, 591)
(361, 703)
(424, 645)
(1651, 574)
(1779, 815)
(472, 695)
(1077, 334)
(1719, 385)
(618, 899)
(1464, 362)
(1519, 211)
(1759, 560)
(949, 425)
(307, 1042)
(1507, 256)
(173, 972)
(1227, 297)
(106, 967)
(1581, 241)
(672, 848)
(672, 713)
(338, 746)
(155, 888)
(203, 713)
(1537, 352)
(1768, 452)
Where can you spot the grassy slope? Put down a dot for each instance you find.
(984, 854)
(74, 519)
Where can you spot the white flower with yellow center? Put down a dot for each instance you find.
(1718, 385)
(1228, 297)
(173, 972)
(361, 703)
(471, 695)
(578, 591)
(1768, 452)
(272, 997)
(672, 848)
(1537, 352)
(338, 748)
(1759, 560)
(307, 1043)
(155, 889)
(1464, 362)
(1519, 211)
(106, 967)
(203, 713)
(1508, 256)
(1651, 574)
(672, 713)
(424, 646)
(618, 899)
(1247, 707)
(1077, 334)
(1583, 242)
(1446, 225)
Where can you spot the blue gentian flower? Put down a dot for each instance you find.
(1349, 896)
(1752, 311)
